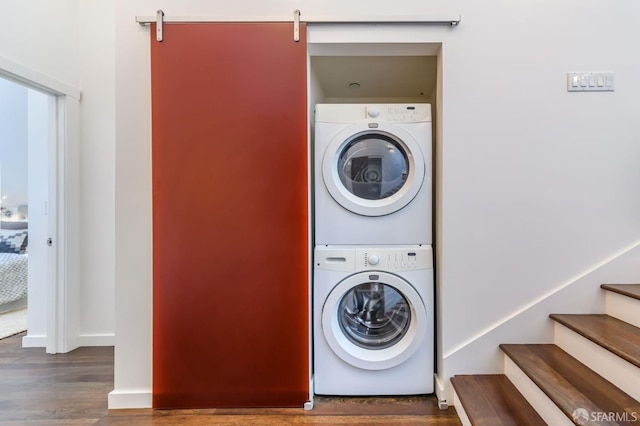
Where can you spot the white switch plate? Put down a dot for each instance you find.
(590, 81)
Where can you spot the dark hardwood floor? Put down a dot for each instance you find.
(71, 389)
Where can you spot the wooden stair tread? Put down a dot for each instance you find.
(630, 290)
(567, 382)
(492, 400)
(617, 336)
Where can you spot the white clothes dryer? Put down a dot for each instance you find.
(373, 174)
(373, 330)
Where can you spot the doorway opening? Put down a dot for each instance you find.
(24, 140)
(346, 67)
(37, 152)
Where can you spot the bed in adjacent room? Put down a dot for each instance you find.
(13, 266)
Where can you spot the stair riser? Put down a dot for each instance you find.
(621, 373)
(623, 307)
(464, 419)
(549, 412)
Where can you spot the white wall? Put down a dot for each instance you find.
(42, 35)
(537, 184)
(133, 230)
(98, 208)
(72, 42)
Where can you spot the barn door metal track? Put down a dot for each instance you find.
(159, 19)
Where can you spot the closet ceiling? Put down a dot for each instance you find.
(377, 76)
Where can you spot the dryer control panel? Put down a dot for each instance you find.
(381, 258)
(373, 113)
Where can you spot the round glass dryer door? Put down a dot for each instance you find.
(374, 321)
(373, 173)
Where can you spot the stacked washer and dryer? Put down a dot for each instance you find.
(373, 295)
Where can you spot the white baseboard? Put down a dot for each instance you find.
(40, 341)
(621, 373)
(34, 341)
(441, 392)
(96, 340)
(308, 406)
(129, 399)
(547, 409)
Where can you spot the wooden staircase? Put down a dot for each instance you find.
(590, 376)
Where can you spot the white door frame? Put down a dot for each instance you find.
(63, 291)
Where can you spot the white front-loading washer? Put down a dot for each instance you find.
(373, 174)
(373, 331)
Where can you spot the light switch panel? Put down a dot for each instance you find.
(590, 81)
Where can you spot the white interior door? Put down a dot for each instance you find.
(38, 125)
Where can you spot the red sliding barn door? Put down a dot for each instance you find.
(230, 248)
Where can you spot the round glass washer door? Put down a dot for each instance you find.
(373, 172)
(374, 320)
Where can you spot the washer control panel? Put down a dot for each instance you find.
(362, 258)
(394, 259)
(398, 113)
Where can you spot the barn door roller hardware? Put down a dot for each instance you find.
(296, 25)
(160, 20)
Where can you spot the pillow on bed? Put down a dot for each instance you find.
(13, 241)
(14, 224)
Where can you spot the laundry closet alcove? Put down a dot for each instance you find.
(230, 216)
